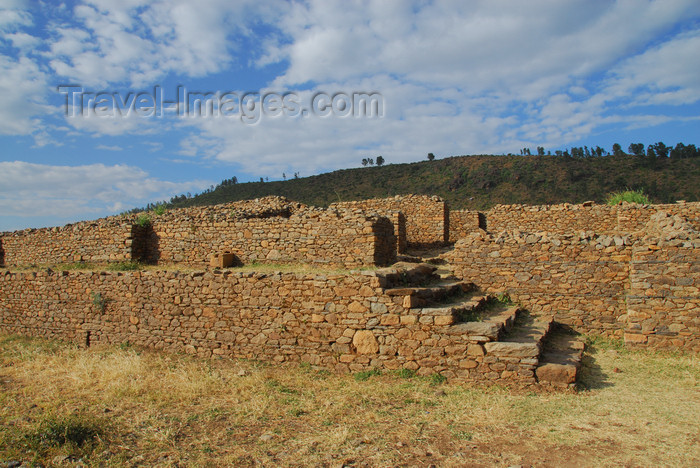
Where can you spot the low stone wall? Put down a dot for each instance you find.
(311, 235)
(102, 240)
(556, 219)
(427, 217)
(580, 280)
(340, 322)
(270, 229)
(663, 305)
(633, 217)
(567, 218)
(463, 222)
(645, 288)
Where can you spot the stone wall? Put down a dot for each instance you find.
(463, 222)
(567, 218)
(633, 217)
(427, 217)
(557, 219)
(102, 240)
(340, 322)
(270, 229)
(294, 234)
(579, 279)
(647, 288)
(663, 305)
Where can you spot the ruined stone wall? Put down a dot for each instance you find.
(645, 287)
(102, 240)
(427, 217)
(270, 229)
(632, 217)
(663, 305)
(340, 322)
(557, 219)
(567, 218)
(309, 235)
(581, 280)
(463, 222)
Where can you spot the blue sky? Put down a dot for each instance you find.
(447, 77)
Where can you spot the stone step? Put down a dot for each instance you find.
(451, 312)
(418, 297)
(561, 357)
(490, 324)
(406, 274)
(523, 339)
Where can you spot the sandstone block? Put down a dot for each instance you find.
(365, 342)
(556, 373)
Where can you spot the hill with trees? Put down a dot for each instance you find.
(665, 174)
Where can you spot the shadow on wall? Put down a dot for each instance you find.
(386, 245)
(482, 220)
(145, 245)
(2, 255)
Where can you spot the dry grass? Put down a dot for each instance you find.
(144, 408)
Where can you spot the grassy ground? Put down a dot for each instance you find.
(121, 406)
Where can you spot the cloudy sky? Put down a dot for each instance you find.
(89, 125)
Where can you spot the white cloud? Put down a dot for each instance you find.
(109, 147)
(139, 41)
(521, 50)
(666, 74)
(13, 14)
(32, 190)
(22, 87)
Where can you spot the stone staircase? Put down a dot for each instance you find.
(508, 343)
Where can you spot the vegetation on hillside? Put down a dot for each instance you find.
(665, 174)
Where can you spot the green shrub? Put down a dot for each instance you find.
(143, 220)
(159, 209)
(629, 196)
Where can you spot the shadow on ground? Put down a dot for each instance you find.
(591, 375)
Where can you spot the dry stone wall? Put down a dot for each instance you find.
(557, 219)
(663, 305)
(103, 240)
(304, 234)
(427, 217)
(632, 217)
(464, 222)
(645, 288)
(270, 229)
(579, 279)
(567, 218)
(341, 322)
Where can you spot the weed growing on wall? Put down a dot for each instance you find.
(98, 301)
(143, 220)
(629, 196)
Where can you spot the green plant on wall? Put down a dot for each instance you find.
(159, 209)
(143, 220)
(98, 301)
(629, 196)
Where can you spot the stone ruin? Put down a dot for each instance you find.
(625, 271)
